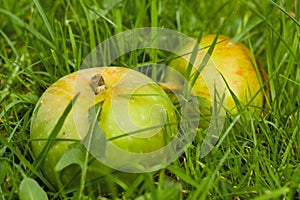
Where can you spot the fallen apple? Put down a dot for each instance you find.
(236, 65)
(135, 113)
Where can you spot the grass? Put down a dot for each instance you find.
(257, 157)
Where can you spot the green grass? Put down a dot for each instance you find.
(257, 157)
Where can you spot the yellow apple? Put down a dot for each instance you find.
(236, 66)
(131, 103)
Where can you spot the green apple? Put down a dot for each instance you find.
(234, 62)
(131, 103)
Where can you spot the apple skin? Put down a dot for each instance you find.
(234, 62)
(55, 99)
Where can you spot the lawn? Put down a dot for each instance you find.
(256, 157)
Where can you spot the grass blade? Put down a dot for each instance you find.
(25, 161)
(44, 17)
(182, 175)
(23, 24)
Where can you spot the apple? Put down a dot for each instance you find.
(236, 65)
(131, 103)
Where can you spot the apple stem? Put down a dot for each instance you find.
(98, 84)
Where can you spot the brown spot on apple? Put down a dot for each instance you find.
(239, 72)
